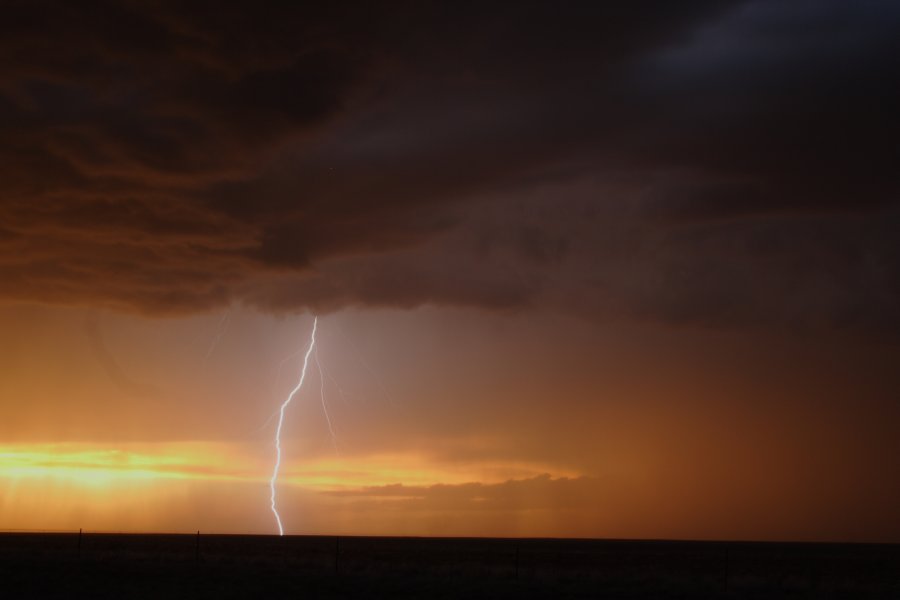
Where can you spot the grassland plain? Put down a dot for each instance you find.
(103, 565)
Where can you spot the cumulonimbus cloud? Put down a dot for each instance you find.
(649, 162)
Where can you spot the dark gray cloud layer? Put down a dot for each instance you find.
(694, 162)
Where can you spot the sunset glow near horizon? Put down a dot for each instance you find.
(574, 271)
(420, 453)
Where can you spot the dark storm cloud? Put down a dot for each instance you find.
(789, 103)
(705, 162)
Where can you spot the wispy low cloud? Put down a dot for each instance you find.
(540, 492)
(538, 506)
(401, 475)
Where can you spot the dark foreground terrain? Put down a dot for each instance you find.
(234, 566)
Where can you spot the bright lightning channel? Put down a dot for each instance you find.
(284, 405)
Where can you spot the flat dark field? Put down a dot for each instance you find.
(66, 565)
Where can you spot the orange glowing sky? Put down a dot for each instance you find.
(447, 422)
(591, 269)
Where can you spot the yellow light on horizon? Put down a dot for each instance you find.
(102, 465)
(92, 465)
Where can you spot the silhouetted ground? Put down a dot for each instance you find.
(231, 566)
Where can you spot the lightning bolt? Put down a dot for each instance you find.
(325, 404)
(335, 383)
(284, 405)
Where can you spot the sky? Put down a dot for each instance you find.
(581, 269)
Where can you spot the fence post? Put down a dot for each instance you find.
(197, 548)
(80, 531)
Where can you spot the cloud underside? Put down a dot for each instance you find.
(714, 163)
